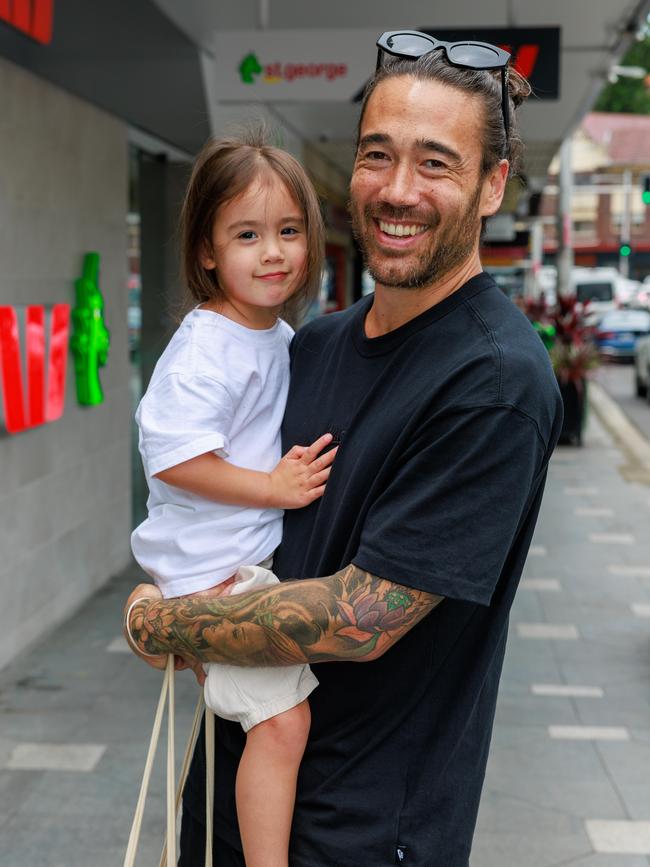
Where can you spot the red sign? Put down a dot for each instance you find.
(524, 58)
(535, 52)
(40, 399)
(35, 18)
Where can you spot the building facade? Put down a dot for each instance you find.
(610, 161)
(75, 83)
(102, 108)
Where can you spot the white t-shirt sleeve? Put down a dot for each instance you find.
(181, 417)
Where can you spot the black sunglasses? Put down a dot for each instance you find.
(411, 44)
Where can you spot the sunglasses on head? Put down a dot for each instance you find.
(411, 44)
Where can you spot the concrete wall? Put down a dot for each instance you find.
(65, 511)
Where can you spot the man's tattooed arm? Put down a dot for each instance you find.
(351, 615)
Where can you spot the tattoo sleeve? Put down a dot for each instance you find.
(351, 615)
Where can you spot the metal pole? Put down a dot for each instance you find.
(564, 240)
(626, 223)
(265, 14)
(536, 253)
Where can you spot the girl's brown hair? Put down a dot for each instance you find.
(224, 169)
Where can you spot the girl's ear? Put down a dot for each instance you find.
(206, 257)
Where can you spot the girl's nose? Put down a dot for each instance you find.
(272, 251)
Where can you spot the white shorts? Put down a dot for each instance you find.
(251, 695)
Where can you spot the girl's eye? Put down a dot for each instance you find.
(289, 230)
(248, 235)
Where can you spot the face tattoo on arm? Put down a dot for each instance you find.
(351, 615)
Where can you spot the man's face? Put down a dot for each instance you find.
(417, 197)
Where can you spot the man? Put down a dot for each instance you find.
(446, 410)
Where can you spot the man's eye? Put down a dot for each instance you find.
(434, 164)
(248, 235)
(376, 155)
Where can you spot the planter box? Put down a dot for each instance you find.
(574, 399)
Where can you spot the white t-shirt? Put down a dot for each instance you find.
(219, 387)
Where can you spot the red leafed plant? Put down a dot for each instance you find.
(564, 329)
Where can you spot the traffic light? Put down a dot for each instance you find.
(645, 194)
(624, 250)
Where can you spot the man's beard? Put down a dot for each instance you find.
(450, 244)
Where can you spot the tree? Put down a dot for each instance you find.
(629, 95)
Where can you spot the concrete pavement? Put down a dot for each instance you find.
(568, 781)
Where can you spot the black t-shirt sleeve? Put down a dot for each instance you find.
(447, 518)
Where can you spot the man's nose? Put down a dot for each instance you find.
(401, 188)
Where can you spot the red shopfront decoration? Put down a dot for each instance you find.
(524, 58)
(35, 18)
(40, 399)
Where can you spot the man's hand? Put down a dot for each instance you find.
(136, 621)
(300, 477)
(142, 621)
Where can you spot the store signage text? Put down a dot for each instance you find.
(34, 18)
(287, 65)
(37, 398)
(251, 70)
(34, 341)
(307, 66)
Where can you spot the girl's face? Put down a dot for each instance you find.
(259, 253)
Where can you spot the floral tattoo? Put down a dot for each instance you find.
(351, 615)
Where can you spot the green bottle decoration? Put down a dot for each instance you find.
(90, 338)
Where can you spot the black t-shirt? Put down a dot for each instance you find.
(446, 426)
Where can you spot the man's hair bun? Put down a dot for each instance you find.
(519, 89)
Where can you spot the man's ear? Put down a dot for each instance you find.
(494, 187)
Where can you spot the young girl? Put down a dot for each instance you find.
(210, 443)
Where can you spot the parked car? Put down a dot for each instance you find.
(599, 290)
(618, 331)
(627, 292)
(643, 295)
(642, 367)
(510, 280)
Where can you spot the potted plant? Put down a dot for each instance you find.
(569, 340)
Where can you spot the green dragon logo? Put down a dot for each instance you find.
(90, 339)
(249, 68)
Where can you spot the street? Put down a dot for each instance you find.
(618, 381)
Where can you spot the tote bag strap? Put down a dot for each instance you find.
(166, 692)
(173, 800)
(209, 784)
(185, 767)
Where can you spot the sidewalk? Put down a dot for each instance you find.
(568, 781)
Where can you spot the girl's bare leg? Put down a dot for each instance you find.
(266, 786)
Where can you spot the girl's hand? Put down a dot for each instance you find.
(300, 477)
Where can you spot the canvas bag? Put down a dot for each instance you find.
(168, 856)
